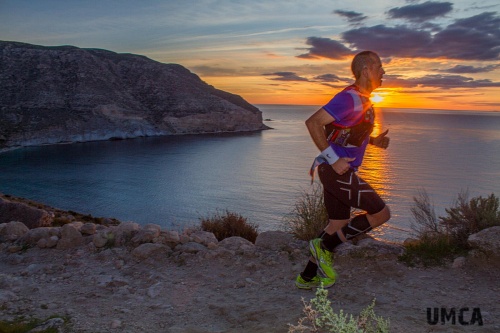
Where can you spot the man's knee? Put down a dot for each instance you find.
(335, 225)
(379, 218)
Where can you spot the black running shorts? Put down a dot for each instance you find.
(345, 191)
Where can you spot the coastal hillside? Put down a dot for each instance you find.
(70, 94)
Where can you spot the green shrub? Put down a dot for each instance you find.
(431, 250)
(320, 317)
(441, 239)
(24, 325)
(228, 225)
(59, 221)
(468, 217)
(309, 216)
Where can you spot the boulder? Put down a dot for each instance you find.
(48, 242)
(12, 231)
(236, 243)
(204, 237)
(103, 237)
(16, 211)
(191, 247)
(34, 235)
(487, 240)
(170, 238)
(274, 240)
(88, 229)
(148, 250)
(70, 237)
(124, 232)
(148, 234)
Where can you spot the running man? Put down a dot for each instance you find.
(341, 130)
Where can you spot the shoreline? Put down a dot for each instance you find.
(58, 213)
(264, 127)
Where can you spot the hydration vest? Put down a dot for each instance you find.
(351, 135)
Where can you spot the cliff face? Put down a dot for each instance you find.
(68, 94)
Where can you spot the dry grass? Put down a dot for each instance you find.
(309, 216)
(228, 224)
(441, 239)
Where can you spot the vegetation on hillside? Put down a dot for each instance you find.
(227, 224)
(442, 238)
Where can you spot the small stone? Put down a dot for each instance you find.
(14, 248)
(100, 239)
(459, 262)
(154, 290)
(42, 243)
(116, 323)
(52, 241)
(88, 229)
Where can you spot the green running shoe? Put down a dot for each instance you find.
(324, 258)
(314, 283)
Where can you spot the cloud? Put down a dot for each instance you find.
(421, 12)
(437, 81)
(286, 76)
(204, 70)
(454, 81)
(462, 69)
(328, 78)
(399, 41)
(325, 48)
(351, 16)
(324, 79)
(473, 38)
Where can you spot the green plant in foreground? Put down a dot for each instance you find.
(24, 325)
(441, 239)
(309, 215)
(229, 224)
(320, 317)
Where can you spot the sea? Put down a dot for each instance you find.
(174, 181)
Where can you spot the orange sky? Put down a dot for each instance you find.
(436, 54)
(258, 91)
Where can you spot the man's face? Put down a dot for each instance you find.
(375, 73)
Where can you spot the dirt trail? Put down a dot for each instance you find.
(218, 291)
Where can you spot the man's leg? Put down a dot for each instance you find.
(338, 214)
(358, 225)
(335, 225)
(311, 269)
(350, 190)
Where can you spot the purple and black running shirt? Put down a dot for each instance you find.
(348, 108)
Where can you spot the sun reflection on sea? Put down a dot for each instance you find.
(377, 171)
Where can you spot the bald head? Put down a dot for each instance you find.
(361, 60)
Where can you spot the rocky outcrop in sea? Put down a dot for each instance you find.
(69, 94)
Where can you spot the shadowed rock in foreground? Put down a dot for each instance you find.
(69, 94)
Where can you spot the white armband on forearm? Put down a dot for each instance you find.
(329, 155)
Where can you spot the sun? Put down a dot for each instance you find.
(377, 98)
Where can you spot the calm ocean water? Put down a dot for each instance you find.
(174, 181)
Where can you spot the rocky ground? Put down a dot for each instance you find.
(130, 278)
(231, 287)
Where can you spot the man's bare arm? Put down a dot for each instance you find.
(316, 127)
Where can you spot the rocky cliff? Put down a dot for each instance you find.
(69, 94)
